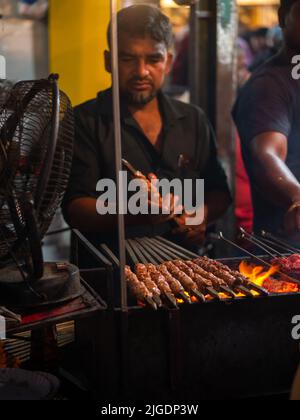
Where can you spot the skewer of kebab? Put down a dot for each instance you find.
(205, 286)
(174, 284)
(239, 276)
(211, 283)
(162, 284)
(189, 285)
(138, 289)
(218, 283)
(234, 283)
(153, 192)
(144, 276)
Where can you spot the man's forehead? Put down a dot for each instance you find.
(136, 45)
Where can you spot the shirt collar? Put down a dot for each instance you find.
(170, 111)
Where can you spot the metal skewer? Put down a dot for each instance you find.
(151, 302)
(150, 257)
(163, 247)
(283, 248)
(281, 242)
(258, 289)
(227, 291)
(170, 298)
(149, 242)
(163, 254)
(134, 254)
(188, 254)
(255, 241)
(213, 293)
(135, 261)
(244, 291)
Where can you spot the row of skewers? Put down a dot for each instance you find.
(166, 273)
(165, 283)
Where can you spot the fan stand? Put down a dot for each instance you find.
(60, 283)
(34, 283)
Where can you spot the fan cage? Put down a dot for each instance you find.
(27, 124)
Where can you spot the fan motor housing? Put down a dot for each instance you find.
(60, 283)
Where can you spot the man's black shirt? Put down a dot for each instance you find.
(270, 101)
(185, 131)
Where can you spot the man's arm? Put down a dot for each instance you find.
(273, 177)
(82, 214)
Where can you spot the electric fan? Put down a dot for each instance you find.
(36, 146)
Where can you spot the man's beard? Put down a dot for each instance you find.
(139, 98)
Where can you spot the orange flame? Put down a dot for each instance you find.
(255, 273)
(264, 279)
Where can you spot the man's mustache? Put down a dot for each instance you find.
(141, 80)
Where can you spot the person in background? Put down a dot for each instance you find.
(243, 199)
(244, 51)
(258, 41)
(33, 9)
(274, 44)
(268, 120)
(180, 73)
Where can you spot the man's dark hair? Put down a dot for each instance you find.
(144, 20)
(287, 4)
(261, 32)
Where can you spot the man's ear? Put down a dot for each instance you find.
(170, 61)
(281, 16)
(107, 61)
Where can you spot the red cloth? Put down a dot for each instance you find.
(243, 201)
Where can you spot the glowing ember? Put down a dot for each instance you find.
(181, 301)
(262, 278)
(280, 286)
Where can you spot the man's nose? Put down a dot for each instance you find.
(142, 69)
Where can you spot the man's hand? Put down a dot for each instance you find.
(166, 208)
(292, 219)
(190, 235)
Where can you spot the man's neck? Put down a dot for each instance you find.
(149, 108)
(288, 53)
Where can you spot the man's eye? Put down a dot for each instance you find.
(154, 60)
(127, 59)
